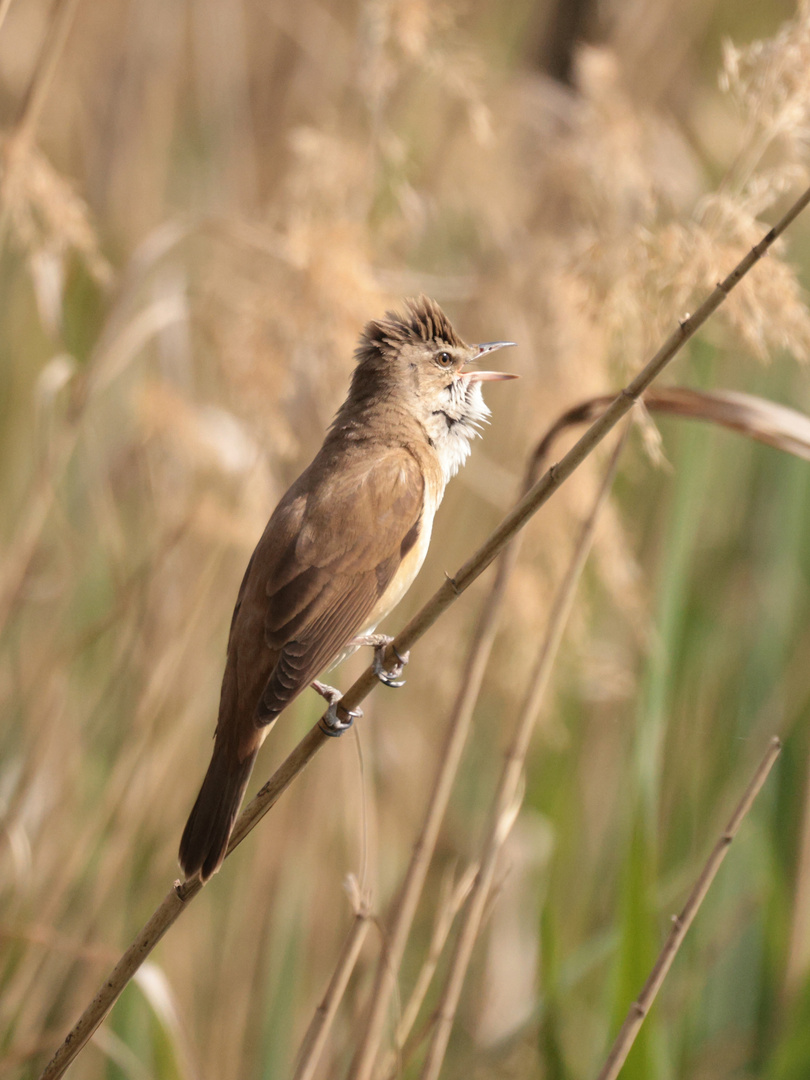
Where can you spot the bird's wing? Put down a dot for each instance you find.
(352, 534)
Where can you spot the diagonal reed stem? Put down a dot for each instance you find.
(174, 902)
(509, 796)
(681, 923)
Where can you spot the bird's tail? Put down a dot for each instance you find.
(208, 829)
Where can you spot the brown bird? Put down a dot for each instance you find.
(342, 547)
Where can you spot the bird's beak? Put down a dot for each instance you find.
(489, 376)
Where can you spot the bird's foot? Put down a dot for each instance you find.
(331, 723)
(380, 642)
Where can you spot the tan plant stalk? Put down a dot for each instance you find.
(445, 917)
(681, 923)
(4, 6)
(20, 139)
(59, 24)
(321, 1023)
(451, 900)
(173, 903)
(509, 794)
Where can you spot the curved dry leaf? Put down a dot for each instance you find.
(757, 417)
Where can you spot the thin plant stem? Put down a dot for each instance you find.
(448, 910)
(681, 923)
(59, 24)
(321, 1023)
(19, 141)
(181, 894)
(509, 794)
(4, 6)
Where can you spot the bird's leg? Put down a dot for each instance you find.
(331, 723)
(380, 642)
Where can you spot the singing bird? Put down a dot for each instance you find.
(342, 547)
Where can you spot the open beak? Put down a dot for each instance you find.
(489, 376)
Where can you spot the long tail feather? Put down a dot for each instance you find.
(208, 829)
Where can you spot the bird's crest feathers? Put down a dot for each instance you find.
(422, 320)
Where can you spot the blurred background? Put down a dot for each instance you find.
(200, 205)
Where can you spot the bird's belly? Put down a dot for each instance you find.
(406, 571)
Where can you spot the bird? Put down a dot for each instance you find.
(342, 547)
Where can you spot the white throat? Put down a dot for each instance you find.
(457, 419)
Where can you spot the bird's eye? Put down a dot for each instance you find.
(444, 359)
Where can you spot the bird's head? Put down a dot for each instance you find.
(416, 361)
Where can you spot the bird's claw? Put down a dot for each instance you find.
(390, 677)
(332, 724)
